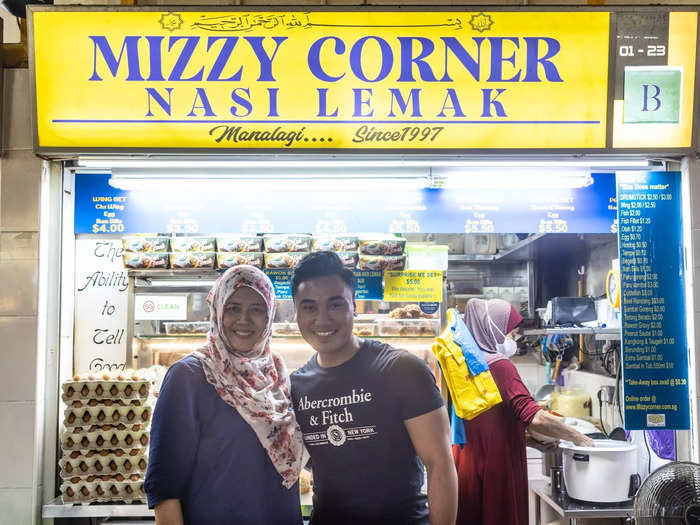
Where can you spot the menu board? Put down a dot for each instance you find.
(534, 203)
(654, 343)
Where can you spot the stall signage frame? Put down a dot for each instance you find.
(413, 285)
(374, 80)
(654, 336)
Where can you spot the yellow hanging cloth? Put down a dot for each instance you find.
(468, 377)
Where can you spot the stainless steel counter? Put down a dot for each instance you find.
(572, 509)
(57, 509)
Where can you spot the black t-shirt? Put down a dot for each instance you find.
(352, 416)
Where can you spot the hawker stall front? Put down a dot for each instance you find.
(537, 156)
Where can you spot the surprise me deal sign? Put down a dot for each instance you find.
(290, 80)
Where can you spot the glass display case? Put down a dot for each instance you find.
(168, 318)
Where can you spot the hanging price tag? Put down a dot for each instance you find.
(413, 285)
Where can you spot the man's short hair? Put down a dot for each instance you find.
(321, 264)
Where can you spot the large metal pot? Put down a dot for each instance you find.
(605, 473)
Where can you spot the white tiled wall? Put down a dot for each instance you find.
(20, 173)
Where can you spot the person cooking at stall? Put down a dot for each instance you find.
(225, 445)
(491, 466)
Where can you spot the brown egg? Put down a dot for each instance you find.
(99, 390)
(75, 479)
(99, 490)
(69, 442)
(115, 416)
(119, 452)
(101, 416)
(71, 418)
(114, 440)
(144, 440)
(108, 402)
(114, 390)
(85, 441)
(105, 376)
(68, 468)
(83, 466)
(127, 465)
(129, 440)
(128, 489)
(69, 492)
(93, 403)
(134, 452)
(128, 390)
(134, 477)
(75, 453)
(84, 391)
(143, 390)
(113, 465)
(77, 404)
(142, 464)
(130, 415)
(90, 479)
(144, 415)
(100, 440)
(119, 477)
(86, 417)
(114, 490)
(76, 377)
(98, 466)
(84, 490)
(104, 452)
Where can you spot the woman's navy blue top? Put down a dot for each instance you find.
(204, 454)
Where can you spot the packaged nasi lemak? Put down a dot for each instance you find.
(282, 260)
(145, 260)
(349, 259)
(382, 262)
(287, 243)
(380, 245)
(143, 243)
(227, 260)
(193, 244)
(192, 260)
(345, 243)
(239, 243)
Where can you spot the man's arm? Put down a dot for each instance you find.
(169, 512)
(430, 435)
(549, 425)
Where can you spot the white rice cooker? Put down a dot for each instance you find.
(605, 473)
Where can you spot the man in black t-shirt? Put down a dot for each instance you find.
(371, 414)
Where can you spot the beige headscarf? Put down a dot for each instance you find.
(255, 384)
(501, 313)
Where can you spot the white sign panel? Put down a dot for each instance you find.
(160, 307)
(101, 301)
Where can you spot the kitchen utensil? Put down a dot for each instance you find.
(605, 473)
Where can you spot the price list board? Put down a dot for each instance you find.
(654, 349)
(556, 203)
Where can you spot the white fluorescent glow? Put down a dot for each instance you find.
(203, 164)
(518, 179)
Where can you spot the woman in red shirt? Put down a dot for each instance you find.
(491, 466)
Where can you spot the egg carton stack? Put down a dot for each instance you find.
(105, 438)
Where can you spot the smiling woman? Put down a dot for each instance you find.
(224, 410)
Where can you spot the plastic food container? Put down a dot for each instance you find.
(382, 262)
(239, 243)
(150, 260)
(282, 260)
(364, 329)
(344, 243)
(192, 260)
(187, 328)
(193, 244)
(285, 329)
(287, 243)
(226, 260)
(381, 245)
(138, 243)
(571, 402)
(408, 327)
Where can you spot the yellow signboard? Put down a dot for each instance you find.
(413, 285)
(124, 79)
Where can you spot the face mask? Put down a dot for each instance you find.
(508, 347)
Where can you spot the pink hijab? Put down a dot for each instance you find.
(501, 313)
(255, 384)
